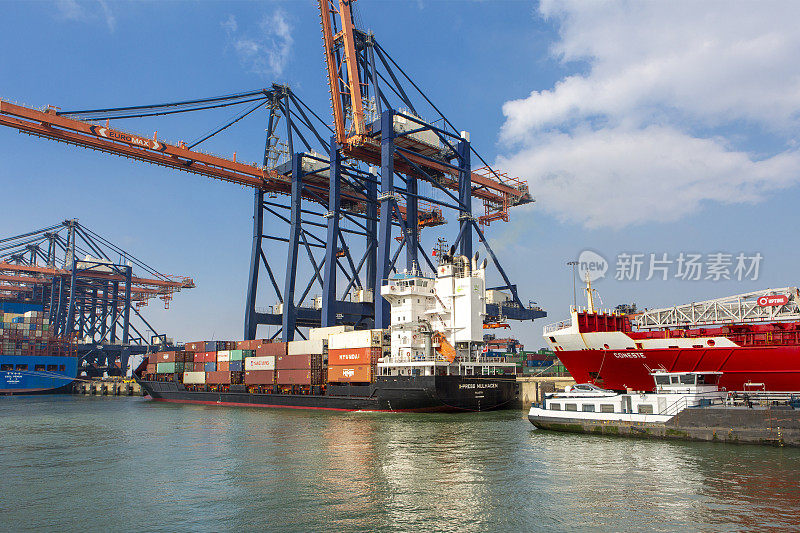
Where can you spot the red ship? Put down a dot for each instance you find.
(753, 339)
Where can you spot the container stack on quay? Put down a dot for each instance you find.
(29, 334)
(337, 355)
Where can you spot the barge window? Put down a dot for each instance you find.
(52, 368)
(555, 406)
(606, 407)
(687, 379)
(62, 368)
(645, 409)
(6, 368)
(22, 368)
(588, 408)
(570, 407)
(39, 368)
(662, 380)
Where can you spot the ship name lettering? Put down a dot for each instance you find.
(629, 355)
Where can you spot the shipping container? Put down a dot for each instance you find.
(251, 345)
(165, 357)
(211, 367)
(354, 356)
(316, 346)
(166, 368)
(259, 377)
(323, 333)
(266, 362)
(357, 339)
(200, 357)
(194, 378)
(273, 348)
(197, 346)
(291, 362)
(223, 355)
(188, 367)
(218, 378)
(235, 366)
(350, 374)
(151, 368)
(298, 377)
(236, 355)
(223, 366)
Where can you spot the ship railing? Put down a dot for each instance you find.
(558, 325)
(684, 402)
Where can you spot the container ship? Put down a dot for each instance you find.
(431, 358)
(753, 339)
(32, 361)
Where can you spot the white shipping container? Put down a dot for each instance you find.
(323, 333)
(314, 346)
(265, 362)
(367, 338)
(223, 355)
(194, 378)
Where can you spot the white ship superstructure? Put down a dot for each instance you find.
(437, 323)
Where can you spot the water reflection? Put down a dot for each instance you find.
(133, 464)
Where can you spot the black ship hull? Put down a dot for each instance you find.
(388, 393)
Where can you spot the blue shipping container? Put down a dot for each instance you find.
(235, 366)
(211, 367)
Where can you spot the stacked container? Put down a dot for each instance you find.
(302, 365)
(29, 334)
(353, 355)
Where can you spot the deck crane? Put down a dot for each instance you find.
(340, 180)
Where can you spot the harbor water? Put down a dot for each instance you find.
(107, 464)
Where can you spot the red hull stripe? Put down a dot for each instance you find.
(246, 404)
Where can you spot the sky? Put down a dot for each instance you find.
(653, 134)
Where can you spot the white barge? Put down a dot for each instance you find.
(685, 405)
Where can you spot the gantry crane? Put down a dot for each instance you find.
(89, 287)
(345, 197)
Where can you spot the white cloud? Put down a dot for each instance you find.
(616, 176)
(620, 142)
(87, 12)
(265, 51)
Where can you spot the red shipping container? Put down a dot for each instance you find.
(259, 377)
(218, 378)
(299, 377)
(250, 345)
(298, 362)
(223, 366)
(272, 348)
(194, 346)
(164, 357)
(354, 356)
(200, 357)
(350, 374)
(151, 369)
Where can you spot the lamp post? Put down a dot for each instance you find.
(573, 264)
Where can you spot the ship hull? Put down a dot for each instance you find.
(772, 368)
(19, 374)
(395, 393)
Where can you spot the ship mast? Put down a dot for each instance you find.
(589, 295)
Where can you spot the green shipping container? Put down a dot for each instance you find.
(237, 355)
(165, 368)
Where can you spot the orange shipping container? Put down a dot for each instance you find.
(292, 362)
(350, 374)
(223, 366)
(218, 378)
(250, 345)
(354, 356)
(163, 357)
(195, 346)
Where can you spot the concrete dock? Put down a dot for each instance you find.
(108, 387)
(533, 388)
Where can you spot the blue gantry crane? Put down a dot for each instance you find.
(337, 207)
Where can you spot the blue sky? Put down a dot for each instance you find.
(641, 128)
